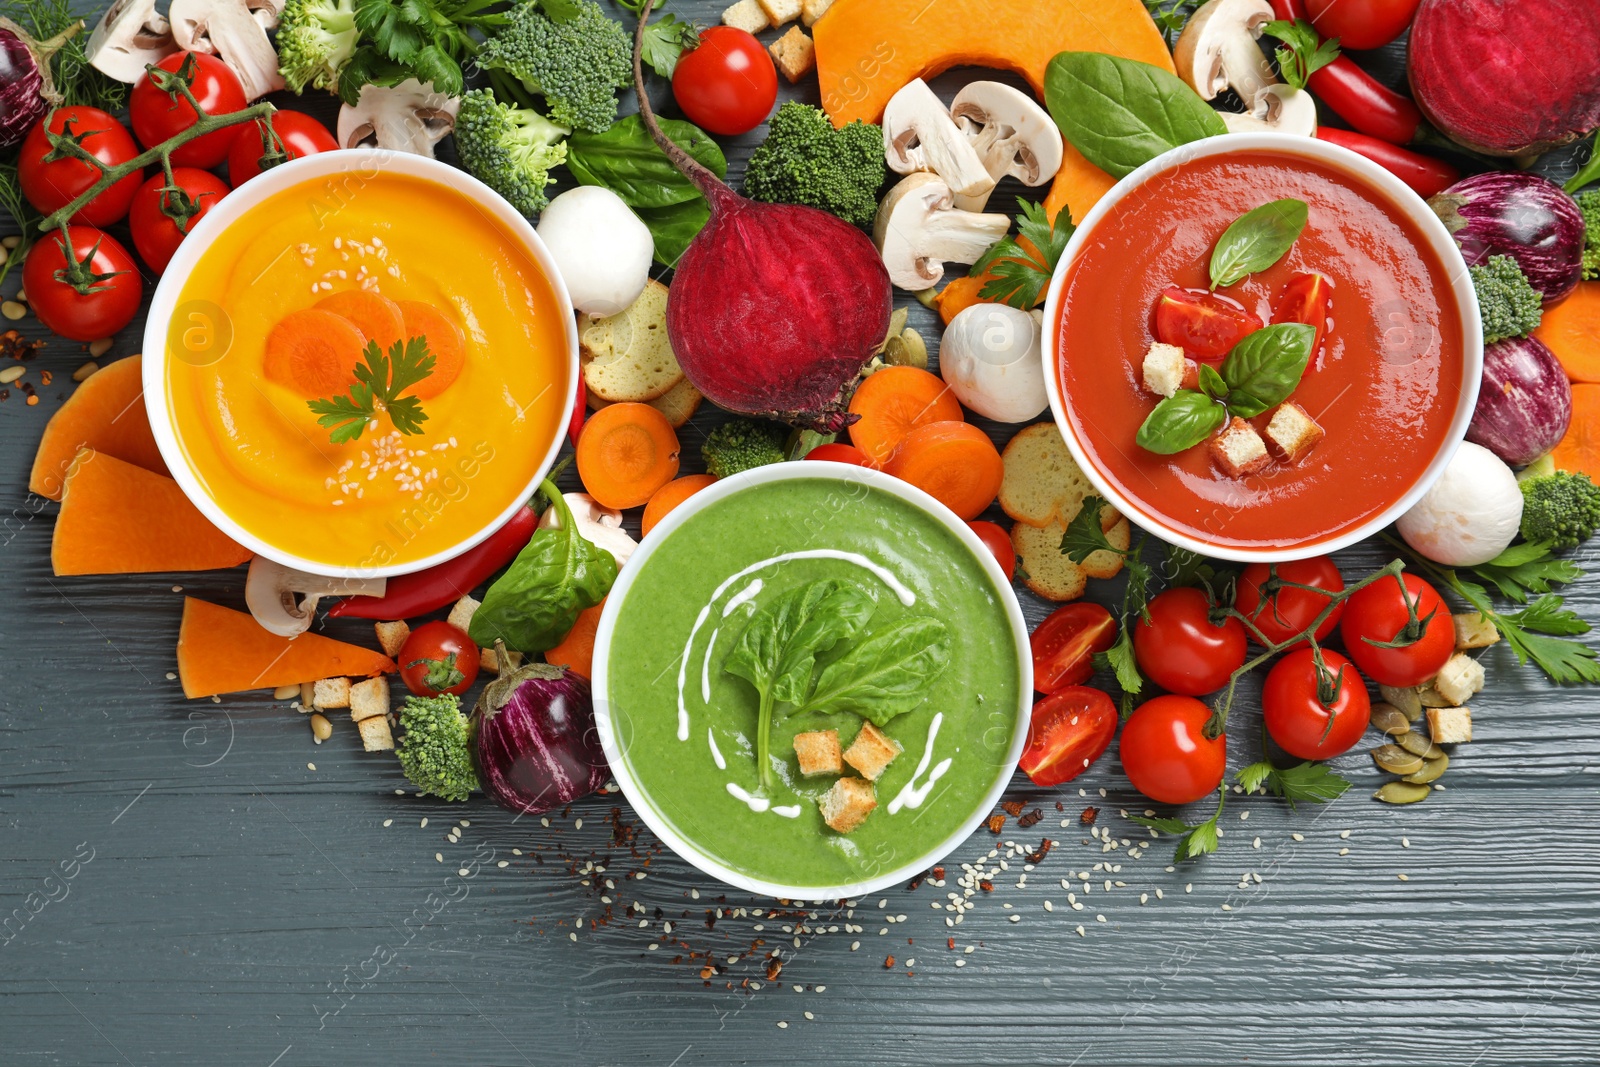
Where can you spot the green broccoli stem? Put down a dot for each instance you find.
(711, 187)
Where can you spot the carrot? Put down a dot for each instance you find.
(225, 651)
(445, 341)
(576, 650)
(314, 352)
(894, 401)
(377, 317)
(962, 293)
(1571, 330)
(625, 453)
(670, 496)
(953, 462)
(1579, 450)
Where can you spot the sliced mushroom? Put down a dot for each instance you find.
(1012, 134)
(228, 30)
(920, 135)
(600, 525)
(274, 594)
(409, 117)
(129, 37)
(1218, 49)
(266, 12)
(919, 229)
(1278, 109)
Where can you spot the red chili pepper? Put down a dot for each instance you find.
(1355, 96)
(1426, 176)
(580, 410)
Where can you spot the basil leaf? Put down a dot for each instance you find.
(534, 604)
(1180, 422)
(779, 648)
(1211, 382)
(626, 160)
(1256, 240)
(1121, 113)
(886, 675)
(674, 227)
(1264, 368)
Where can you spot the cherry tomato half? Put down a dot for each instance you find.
(1288, 611)
(92, 297)
(438, 658)
(996, 540)
(1064, 645)
(158, 115)
(836, 452)
(1362, 23)
(52, 184)
(1405, 607)
(1306, 299)
(1206, 326)
(161, 219)
(1181, 649)
(1166, 754)
(1311, 713)
(299, 134)
(728, 84)
(1070, 729)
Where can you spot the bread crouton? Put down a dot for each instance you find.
(489, 661)
(794, 54)
(461, 615)
(1450, 726)
(1474, 631)
(331, 693)
(1460, 679)
(369, 698)
(375, 734)
(627, 357)
(871, 751)
(847, 805)
(392, 636)
(779, 12)
(746, 15)
(678, 404)
(1163, 369)
(1044, 569)
(1041, 483)
(1292, 433)
(1238, 450)
(818, 752)
(812, 10)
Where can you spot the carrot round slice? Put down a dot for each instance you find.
(1579, 450)
(445, 341)
(313, 352)
(953, 462)
(1571, 330)
(625, 453)
(670, 496)
(377, 317)
(894, 401)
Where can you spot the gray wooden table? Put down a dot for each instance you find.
(196, 883)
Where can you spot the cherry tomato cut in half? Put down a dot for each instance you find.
(1180, 649)
(1267, 596)
(1312, 712)
(1206, 326)
(438, 658)
(728, 84)
(1306, 299)
(1065, 643)
(1166, 754)
(836, 452)
(1069, 730)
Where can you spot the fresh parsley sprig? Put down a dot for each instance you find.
(1197, 838)
(1170, 16)
(1303, 51)
(1085, 536)
(379, 382)
(1020, 274)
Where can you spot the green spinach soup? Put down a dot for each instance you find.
(791, 609)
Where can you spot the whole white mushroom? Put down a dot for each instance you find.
(601, 248)
(1471, 514)
(990, 358)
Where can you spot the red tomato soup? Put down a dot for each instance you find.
(1384, 387)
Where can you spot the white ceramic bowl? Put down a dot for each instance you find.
(616, 602)
(1364, 174)
(349, 165)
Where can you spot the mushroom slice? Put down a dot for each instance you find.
(267, 12)
(284, 600)
(1278, 109)
(129, 37)
(228, 30)
(602, 526)
(920, 135)
(919, 229)
(409, 117)
(1012, 134)
(1218, 49)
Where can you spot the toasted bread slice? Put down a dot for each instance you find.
(779, 12)
(369, 698)
(1046, 570)
(626, 356)
(1042, 484)
(678, 404)
(392, 636)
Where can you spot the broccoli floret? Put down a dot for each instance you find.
(510, 149)
(577, 64)
(1562, 508)
(1589, 204)
(742, 444)
(1509, 306)
(433, 749)
(316, 38)
(804, 160)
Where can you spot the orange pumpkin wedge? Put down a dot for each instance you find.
(225, 651)
(105, 413)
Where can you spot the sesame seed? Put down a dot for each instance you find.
(1256, 843)
(1227, 907)
(1049, 906)
(1298, 837)
(1402, 877)
(1405, 842)
(423, 825)
(311, 766)
(463, 872)
(783, 1025)
(1344, 835)
(1344, 852)
(503, 863)
(388, 822)
(1081, 933)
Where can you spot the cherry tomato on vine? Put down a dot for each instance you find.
(1361, 24)
(88, 295)
(1070, 729)
(728, 84)
(837, 452)
(299, 135)
(1206, 326)
(994, 538)
(438, 658)
(1181, 649)
(1288, 611)
(1306, 299)
(1166, 754)
(1065, 643)
(161, 219)
(1406, 610)
(52, 183)
(158, 114)
(1312, 713)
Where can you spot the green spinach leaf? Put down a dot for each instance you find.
(1180, 422)
(1256, 240)
(1264, 368)
(627, 161)
(674, 227)
(1121, 113)
(886, 675)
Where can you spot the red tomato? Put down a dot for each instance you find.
(728, 84)
(840, 453)
(1166, 754)
(53, 184)
(158, 115)
(1315, 714)
(299, 135)
(1362, 23)
(161, 220)
(1064, 645)
(1181, 650)
(434, 655)
(93, 295)
(1405, 608)
(1288, 611)
(1306, 299)
(1206, 326)
(1070, 729)
(996, 540)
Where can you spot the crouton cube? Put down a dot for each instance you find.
(331, 693)
(818, 752)
(286, 692)
(1459, 679)
(1291, 433)
(392, 636)
(461, 615)
(812, 10)
(375, 734)
(871, 751)
(1163, 369)
(1450, 726)
(488, 661)
(1238, 450)
(746, 15)
(369, 698)
(779, 12)
(1474, 631)
(847, 805)
(794, 54)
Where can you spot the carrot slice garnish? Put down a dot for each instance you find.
(625, 453)
(670, 496)
(1571, 330)
(953, 462)
(445, 341)
(377, 317)
(894, 401)
(314, 353)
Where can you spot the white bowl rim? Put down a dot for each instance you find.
(1404, 200)
(363, 161)
(782, 472)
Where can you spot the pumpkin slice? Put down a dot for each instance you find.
(117, 518)
(105, 413)
(225, 651)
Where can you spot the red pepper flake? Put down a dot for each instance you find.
(707, 971)
(986, 885)
(938, 874)
(1012, 807)
(949, 942)
(774, 969)
(1090, 814)
(44, 377)
(996, 823)
(911, 885)
(1060, 806)
(888, 963)
(1045, 846)
(1030, 819)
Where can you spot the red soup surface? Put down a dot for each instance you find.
(1384, 387)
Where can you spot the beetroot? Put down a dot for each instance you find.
(1507, 77)
(774, 309)
(1521, 215)
(1525, 403)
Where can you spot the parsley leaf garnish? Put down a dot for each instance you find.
(665, 41)
(1170, 16)
(380, 380)
(1303, 52)
(1310, 782)
(1083, 537)
(1198, 838)
(1020, 274)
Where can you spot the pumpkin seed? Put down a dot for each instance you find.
(1386, 718)
(1431, 770)
(1402, 792)
(1396, 760)
(1432, 698)
(1405, 699)
(1419, 744)
(913, 350)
